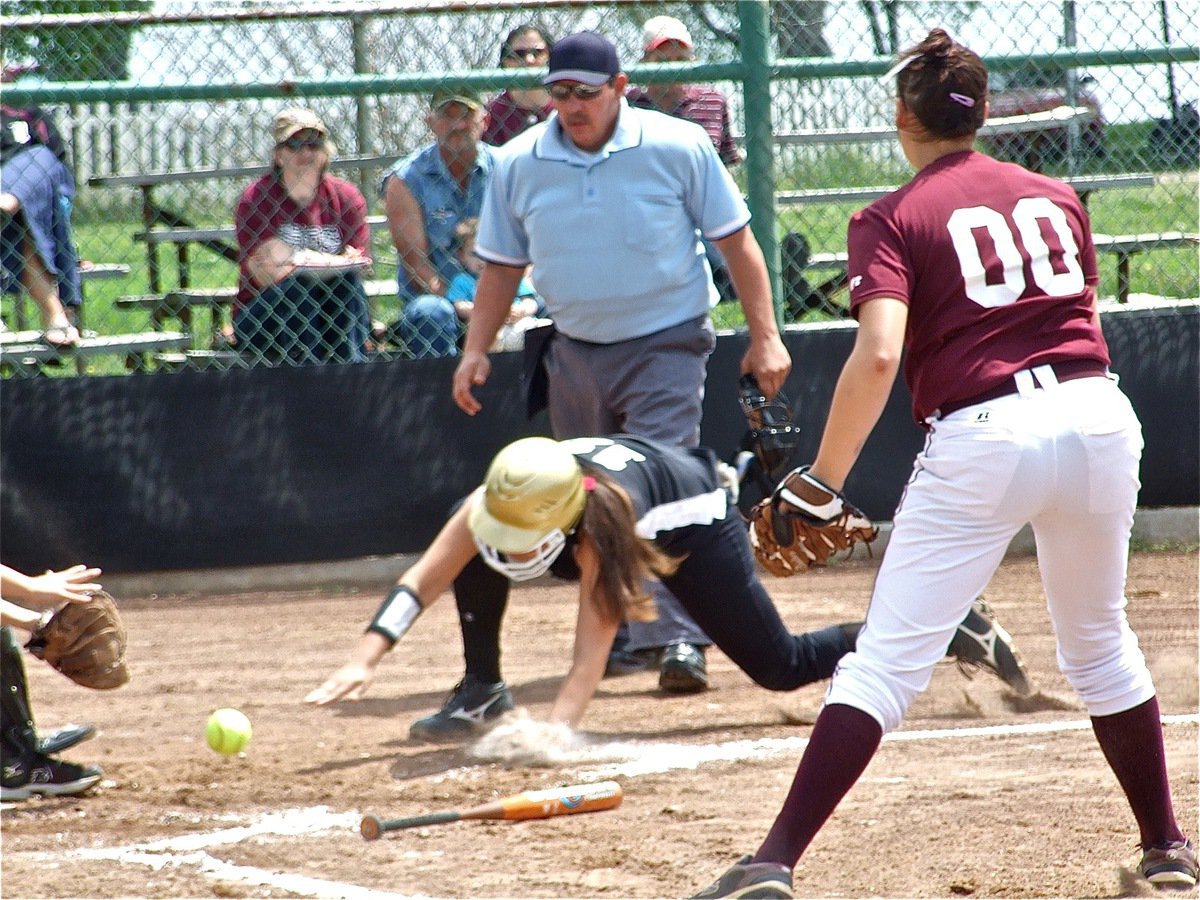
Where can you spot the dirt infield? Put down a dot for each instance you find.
(978, 795)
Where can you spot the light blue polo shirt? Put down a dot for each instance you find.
(612, 235)
(443, 204)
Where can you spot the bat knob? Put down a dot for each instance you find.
(370, 828)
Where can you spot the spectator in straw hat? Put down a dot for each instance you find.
(303, 241)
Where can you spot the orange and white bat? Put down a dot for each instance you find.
(559, 801)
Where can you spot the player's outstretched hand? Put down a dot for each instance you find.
(73, 585)
(349, 682)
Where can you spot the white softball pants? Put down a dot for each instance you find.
(1061, 456)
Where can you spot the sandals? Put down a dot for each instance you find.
(61, 336)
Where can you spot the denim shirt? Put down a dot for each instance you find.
(443, 204)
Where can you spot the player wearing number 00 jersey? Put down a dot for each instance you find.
(985, 273)
(1016, 292)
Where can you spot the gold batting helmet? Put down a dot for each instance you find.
(532, 497)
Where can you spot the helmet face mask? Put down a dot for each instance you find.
(538, 563)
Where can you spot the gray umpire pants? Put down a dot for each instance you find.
(653, 387)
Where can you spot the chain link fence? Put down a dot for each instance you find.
(162, 206)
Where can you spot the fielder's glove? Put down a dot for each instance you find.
(84, 641)
(803, 523)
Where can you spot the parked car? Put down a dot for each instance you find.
(1024, 92)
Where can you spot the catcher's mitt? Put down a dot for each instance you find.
(84, 641)
(803, 523)
(771, 434)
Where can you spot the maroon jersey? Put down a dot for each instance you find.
(336, 218)
(506, 119)
(998, 269)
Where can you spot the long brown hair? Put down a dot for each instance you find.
(944, 85)
(626, 560)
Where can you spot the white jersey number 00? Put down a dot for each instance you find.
(1028, 215)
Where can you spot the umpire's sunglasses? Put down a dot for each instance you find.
(578, 91)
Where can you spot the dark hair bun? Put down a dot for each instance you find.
(937, 44)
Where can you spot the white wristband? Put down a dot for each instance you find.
(823, 502)
(396, 614)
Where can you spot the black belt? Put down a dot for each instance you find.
(1063, 371)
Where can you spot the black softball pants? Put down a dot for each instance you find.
(718, 585)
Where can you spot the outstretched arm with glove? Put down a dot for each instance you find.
(806, 520)
(80, 632)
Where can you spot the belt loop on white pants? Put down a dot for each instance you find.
(1046, 377)
(1024, 380)
(1043, 375)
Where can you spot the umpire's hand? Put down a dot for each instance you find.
(473, 370)
(767, 359)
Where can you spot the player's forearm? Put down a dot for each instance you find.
(858, 400)
(370, 648)
(748, 271)
(14, 583)
(576, 692)
(18, 616)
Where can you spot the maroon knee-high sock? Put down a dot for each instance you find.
(843, 741)
(1133, 745)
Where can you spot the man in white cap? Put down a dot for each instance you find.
(607, 202)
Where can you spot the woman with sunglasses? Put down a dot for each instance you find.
(609, 512)
(515, 109)
(985, 274)
(303, 242)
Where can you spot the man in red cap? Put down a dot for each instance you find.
(665, 39)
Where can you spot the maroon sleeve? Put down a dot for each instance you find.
(878, 264)
(729, 151)
(1087, 249)
(252, 221)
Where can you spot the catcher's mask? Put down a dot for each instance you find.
(772, 436)
(532, 498)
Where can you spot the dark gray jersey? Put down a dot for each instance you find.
(671, 487)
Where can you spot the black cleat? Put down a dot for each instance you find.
(982, 643)
(682, 669)
(49, 777)
(763, 881)
(472, 708)
(65, 738)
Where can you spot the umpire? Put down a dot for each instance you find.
(607, 202)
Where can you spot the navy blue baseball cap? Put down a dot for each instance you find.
(586, 57)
